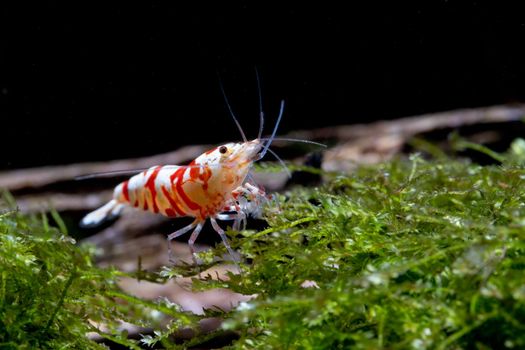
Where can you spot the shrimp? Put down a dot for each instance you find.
(214, 186)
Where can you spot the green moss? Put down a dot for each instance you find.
(412, 253)
(51, 294)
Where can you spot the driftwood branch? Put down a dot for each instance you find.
(379, 141)
(410, 126)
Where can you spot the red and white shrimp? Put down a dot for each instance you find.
(213, 186)
(216, 185)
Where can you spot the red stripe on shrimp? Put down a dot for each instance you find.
(202, 173)
(170, 212)
(125, 190)
(205, 176)
(179, 174)
(194, 173)
(150, 185)
(175, 209)
(191, 204)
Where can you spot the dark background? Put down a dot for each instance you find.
(87, 81)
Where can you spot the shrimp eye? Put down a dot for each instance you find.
(223, 149)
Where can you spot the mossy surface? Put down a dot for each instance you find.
(52, 295)
(412, 253)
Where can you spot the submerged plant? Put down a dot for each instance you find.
(52, 295)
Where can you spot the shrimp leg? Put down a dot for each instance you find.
(177, 234)
(221, 233)
(192, 240)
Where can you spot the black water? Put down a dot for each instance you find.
(81, 81)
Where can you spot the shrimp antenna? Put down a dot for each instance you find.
(283, 164)
(296, 140)
(231, 111)
(261, 113)
(267, 146)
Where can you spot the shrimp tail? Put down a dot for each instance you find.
(109, 210)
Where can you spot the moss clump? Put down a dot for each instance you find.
(51, 294)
